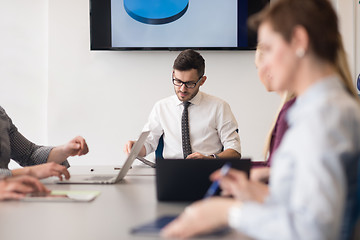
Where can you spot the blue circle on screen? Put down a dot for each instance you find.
(358, 82)
(156, 11)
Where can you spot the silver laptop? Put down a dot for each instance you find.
(109, 179)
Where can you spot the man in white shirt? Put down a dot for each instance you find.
(193, 124)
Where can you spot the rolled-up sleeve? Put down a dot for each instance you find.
(153, 125)
(25, 152)
(5, 173)
(228, 128)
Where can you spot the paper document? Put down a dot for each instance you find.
(62, 196)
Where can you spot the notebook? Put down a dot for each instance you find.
(110, 179)
(188, 179)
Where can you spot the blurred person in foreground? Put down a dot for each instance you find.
(307, 193)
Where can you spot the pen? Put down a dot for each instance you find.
(215, 185)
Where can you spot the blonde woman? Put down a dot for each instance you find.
(308, 191)
(261, 170)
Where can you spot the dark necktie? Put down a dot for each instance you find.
(185, 130)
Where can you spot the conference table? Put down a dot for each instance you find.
(119, 208)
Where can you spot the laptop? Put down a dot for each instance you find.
(188, 179)
(110, 179)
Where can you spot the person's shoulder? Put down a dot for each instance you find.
(3, 114)
(165, 101)
(213, 99)
(337, 111)
(2, 111)
(340, 101)
(348, 106)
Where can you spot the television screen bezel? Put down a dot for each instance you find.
(100, 25)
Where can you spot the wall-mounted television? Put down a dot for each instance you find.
(172, 24)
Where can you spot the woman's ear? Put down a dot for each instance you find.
(300, 41)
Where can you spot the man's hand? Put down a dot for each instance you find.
(129, 145)
(228, 153)
(48, 170)
(197, 155)
(76, 147)
(18, 187)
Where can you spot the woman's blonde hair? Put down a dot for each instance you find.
(321, 23)
(342, 69)
(287, 96)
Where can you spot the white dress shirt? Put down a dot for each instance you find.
(308, 182)
(212, 126)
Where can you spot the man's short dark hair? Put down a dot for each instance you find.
(190, 59)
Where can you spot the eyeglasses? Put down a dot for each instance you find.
(179, 83)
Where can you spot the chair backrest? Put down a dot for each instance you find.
(356, 231)
(352, 204)
(358, 192)
(160, 148)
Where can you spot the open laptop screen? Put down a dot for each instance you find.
(188, 179)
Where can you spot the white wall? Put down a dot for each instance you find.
(23, 65)
(347, 13)
(107, 96)
(349, 22)
(54, 87)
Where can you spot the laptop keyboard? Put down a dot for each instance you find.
(99, 178)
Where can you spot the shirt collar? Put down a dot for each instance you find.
(195, 100)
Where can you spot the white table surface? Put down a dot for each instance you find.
(117, 209)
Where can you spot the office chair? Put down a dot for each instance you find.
(352, 204)
(356, 235)
(356, 230)
(160, 148)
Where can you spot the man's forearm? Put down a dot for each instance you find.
(229, 153)
(57, 155)
(142, 152)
